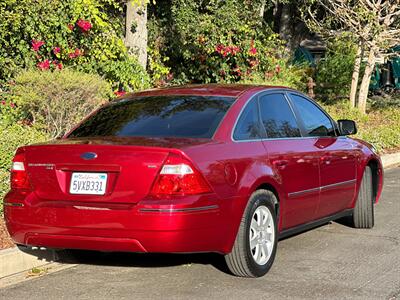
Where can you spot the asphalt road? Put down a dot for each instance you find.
(331, 262)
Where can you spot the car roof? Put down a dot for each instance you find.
(223, 90)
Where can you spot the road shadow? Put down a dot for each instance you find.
(141, 260)
(148, 260)
(346, 221)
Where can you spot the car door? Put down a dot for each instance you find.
(337, 159)
(293, 159)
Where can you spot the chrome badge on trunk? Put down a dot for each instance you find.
(88, 155)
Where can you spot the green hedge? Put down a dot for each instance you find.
(11, 138)
(334, 71)
(57, 100)
(380, 127)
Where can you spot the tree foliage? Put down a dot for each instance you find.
(374, 24)
(218, 41)
(84, 34)
(333, 72)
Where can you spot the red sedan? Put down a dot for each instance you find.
(208, 168)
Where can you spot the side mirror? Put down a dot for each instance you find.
(347, 127)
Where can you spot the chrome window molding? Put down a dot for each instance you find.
(240, 114)
(283, 91)
(333, 123)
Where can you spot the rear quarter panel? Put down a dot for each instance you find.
(365, 156)
(234, 171)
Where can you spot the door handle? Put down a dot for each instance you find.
(281, 163)
(326, 159)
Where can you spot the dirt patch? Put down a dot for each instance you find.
(5, 240)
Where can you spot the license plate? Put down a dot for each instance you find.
(88, 183)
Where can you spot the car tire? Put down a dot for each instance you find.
(363, 215)
(254, 249)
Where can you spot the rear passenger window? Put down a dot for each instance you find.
(248, 126)
(277, 117)
(315, 121)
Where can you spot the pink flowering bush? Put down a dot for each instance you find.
(53, 35)
(36, 45)
(119, 93)
(221, 42)
(44, 65)
(8, 110)
(57, 54)
(84, 25)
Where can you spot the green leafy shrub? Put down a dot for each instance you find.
(218, 41)
(158, 71)
(128, 73)
(11, 137)
(57, 100)
(54, 34)
(386, 101)
(381, 127)
(334, 71)
(9, 113)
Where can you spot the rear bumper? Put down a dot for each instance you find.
(59, 241)
(195, 226)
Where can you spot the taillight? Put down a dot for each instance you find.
(178, 177)
(19, 175)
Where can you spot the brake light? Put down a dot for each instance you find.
(179, 177)
(19, 175)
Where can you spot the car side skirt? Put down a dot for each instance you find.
(304, 227)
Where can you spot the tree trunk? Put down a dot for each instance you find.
(369, 68)
(136, 31)
(262, 9)
(277, 14)
(290, 28)
(356, 75)
(285, 28)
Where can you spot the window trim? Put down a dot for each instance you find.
(300, 119)
(133, 98)
(262, 132)
(256, 96)
(287, 93)
(299, 124)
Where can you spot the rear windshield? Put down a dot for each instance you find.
(158, 116)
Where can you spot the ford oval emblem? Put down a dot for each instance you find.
(88, 155)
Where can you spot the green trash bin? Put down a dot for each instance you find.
(396, 71)
(375, 83)
(395, 61)
(303, 56)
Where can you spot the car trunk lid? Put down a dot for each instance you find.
(130, 165)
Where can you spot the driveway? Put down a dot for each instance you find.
(331, 262)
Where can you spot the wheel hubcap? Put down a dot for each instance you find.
(262, 235)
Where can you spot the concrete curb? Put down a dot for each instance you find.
(24, 276)
(390, 159)
(14, 260)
